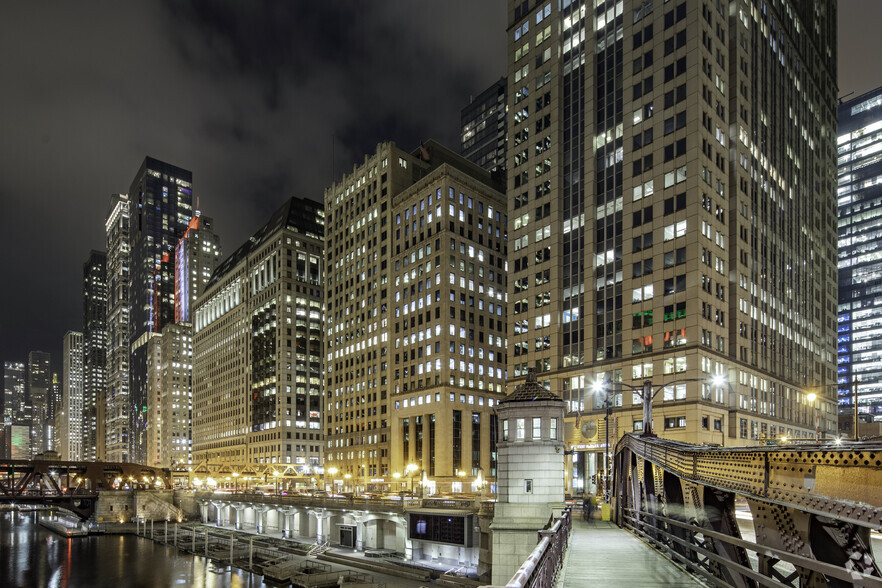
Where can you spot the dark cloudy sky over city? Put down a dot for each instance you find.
(260, 100)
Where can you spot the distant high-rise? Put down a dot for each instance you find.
(161, 208)
(94, 348)
(112, 412)
(39, 388)
(15, 403)
(170, 403)
(53, 407)
(671, 179)
(416, 311)
(197, 254)
(257, 356)
(483, 127)
(860, 262)
(73, 393)
(69, 416)
(170, 355)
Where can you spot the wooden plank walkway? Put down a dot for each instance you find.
(602, 554)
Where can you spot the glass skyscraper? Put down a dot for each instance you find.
(860, 258)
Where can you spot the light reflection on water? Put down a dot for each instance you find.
(31, 555)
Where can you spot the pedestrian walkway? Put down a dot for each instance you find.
(600, 553)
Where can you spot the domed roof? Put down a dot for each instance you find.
(530, 391)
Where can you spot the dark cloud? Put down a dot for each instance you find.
(260, 100)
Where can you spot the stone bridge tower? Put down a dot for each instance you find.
(530, 479)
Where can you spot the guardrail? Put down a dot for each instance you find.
(693, 549)
(542, 567)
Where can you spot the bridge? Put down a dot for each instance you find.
(73, 485)
(813, 508)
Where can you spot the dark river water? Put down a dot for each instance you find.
(31, 555)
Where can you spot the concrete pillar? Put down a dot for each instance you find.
(359, 519)
(260, 517)
(322, 530)
(238, 508)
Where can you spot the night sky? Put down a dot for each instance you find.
(260, 100)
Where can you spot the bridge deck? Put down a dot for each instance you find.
(601, 554)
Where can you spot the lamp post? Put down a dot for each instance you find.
(276, 475)
(813, 400)
(411, 470)
(647, 394)
(236, 481)
(333, 471)
(397, 477)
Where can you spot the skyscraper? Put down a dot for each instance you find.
(483, 127)
(860, 271)
(257, 346)
(15, 404)
(161, 208)
(170, 399)
(415, 333)
(112, 413)
(69, 415)
(197, 254)
(38, 391)
(94, 348)
(680, 156)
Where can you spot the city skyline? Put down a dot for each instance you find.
(89, 138)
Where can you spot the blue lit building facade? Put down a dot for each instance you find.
(859, 344)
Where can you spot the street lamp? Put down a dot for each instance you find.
(647, 394)
(333, 471)
(236, 481)
(411, 470)
(812, 398)
(276, 475)
(598, 387)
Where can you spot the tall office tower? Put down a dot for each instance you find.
(415, 336)
(112, 413)
(170, 403)
(257, 354)
(53, 405)
(94, 348)
(687, 187)
(38, 391)
(197, 255)
(483, 127)
(860, 271)
(161, 209)
(15, 402)
(70, 432)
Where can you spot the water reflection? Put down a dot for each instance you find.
(33, 556)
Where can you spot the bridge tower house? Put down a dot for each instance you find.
(530, 479)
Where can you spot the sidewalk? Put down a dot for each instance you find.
(601, 553)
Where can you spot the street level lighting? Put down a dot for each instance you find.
(411, 470)
(812, 397)
(276, 475)
(236, 481)
(647, 394)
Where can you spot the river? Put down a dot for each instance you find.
(32, 556)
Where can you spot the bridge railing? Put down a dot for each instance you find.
(542, 567)
(696, 550)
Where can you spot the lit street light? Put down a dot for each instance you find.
(647, 394)
(812, 398)
(411, 470)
